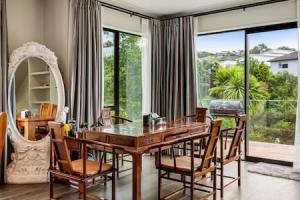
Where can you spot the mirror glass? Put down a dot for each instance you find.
(33, 96)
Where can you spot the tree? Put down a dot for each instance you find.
(258, 49)
(286, 48)
(259, 70)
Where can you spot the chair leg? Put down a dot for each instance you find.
(159, 184)
(84, 191)
(184, 184)
(122, 159)
(239, 171)
(118, 167)
(222, 180)
(192, 187)
(51, 187)
(113, 186)
(215, 185)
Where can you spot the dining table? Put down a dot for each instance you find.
(137, 139)
(31, 123)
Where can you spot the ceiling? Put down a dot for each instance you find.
(162, 8)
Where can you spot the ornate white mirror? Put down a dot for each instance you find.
(36, 96)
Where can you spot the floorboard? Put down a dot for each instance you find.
(254, 187)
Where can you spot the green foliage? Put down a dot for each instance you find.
(261, 48)
(272, 105)
(286, 48)
(130, 75)
(260, 70)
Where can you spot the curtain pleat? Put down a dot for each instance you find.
(86, 61)
(173, 67)
(3, 71)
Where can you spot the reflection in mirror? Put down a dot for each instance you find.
(33, 98)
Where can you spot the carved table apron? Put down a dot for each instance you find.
(137, 140)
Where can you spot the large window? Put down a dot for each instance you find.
(122, 73)
(271, 70)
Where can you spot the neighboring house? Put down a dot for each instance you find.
(269, 55)
(288, 62)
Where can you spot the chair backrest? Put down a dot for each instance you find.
(59, 147)
(3, 127)
(201, 114)
(105, 117)
(236, 140)
(48, 110)
(211, 144)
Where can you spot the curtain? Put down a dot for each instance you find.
(3, 71)
(86, 61)
(297, 131)
(146, 66)
(174, 67)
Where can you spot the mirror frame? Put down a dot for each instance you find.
(30, 160)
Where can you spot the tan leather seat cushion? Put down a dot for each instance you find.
(92, 167)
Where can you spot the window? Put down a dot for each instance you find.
(122, 73)
(283, 66)
(266, 86)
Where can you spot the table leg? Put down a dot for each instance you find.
(29, 131)
(136, 176)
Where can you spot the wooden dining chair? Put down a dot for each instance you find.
(3, 127)
(233, 154)
(83, 173)
(188, 165)
(107, 119)
(46, 111)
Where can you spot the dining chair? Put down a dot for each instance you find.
(3, 127)
(46, 111)
(188, 165)
(82, 173)
(233, 154)
(107, 119)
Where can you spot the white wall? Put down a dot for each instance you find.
(42, 21)
(56, 33)
(293, 67)
(252, 17)
(121, 21)
(25, 22)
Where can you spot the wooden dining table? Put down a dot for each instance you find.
(30, 124)
(137, 139)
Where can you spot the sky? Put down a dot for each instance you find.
(234, 41)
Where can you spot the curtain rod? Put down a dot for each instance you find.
(243, 7)
(130, 12)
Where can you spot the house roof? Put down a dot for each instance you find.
(290, 56)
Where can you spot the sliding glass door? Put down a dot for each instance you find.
(264, 79)
(221, 69)
(122, 73)
(273, 62)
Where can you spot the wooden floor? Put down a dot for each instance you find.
(254, 187)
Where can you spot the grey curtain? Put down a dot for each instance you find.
(173, 67)
(86, 61)
(3, 70)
